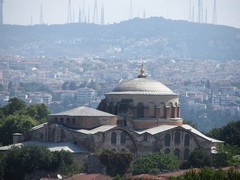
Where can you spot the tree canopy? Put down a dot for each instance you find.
(16, 117)
(27, 159)
(116, 162)
(230, 133)
(155, 163)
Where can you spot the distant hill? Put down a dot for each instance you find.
(134, 38)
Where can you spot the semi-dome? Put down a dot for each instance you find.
(141, 85)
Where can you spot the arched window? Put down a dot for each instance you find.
(55, 119)
(152, 110)
(110, 108)
(113, 138)
(167, 140)
(171, 110)
(68, 121)
(177, 137)
(167, 151)
(145, 137)
(162, 110)
(140, 110)
(187, 140)
(61, 120)
(123, 138)
(177, 152)
(73, 121)
(186, 153)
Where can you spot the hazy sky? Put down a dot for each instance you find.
(27, 12)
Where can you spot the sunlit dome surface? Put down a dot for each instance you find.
(142, 86)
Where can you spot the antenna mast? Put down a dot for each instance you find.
(102, 15)
(200, 11)
(41, 15)
(189, 11)
(1, 12)
(215, 12)
(95, 13)
(130, 10)
(69, 15)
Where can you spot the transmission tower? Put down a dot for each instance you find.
(193, 17)
(41, 15)
(69, 15)
(144, 14)
(206, 15)
(189, 11)
(200, 11)
(79, 15)
(95, 13)
(215, 12)
(1, 12)
(130, 10)
(102, 15)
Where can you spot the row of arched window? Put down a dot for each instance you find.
(177, 139)
(114, 138)
(66, 121)
(152, 110)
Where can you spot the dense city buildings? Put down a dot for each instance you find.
(209, 90)
(141, 116)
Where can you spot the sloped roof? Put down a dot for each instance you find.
(52, 146)
(195, 131)
(103, 128)
(83, 111)
(162, 128)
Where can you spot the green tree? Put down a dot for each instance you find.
(32, 111)
(116, 162)
(154, 163)
(207, 173)
(230, 133)
(42, 112)
(13, 106)
(15, 124)
(199, 159)
(27, 159)
(227, 155)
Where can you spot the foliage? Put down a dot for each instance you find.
(210, 174)
(229, 133)
(42, 112)
(198, 159)
(227, 155)
(20, 161)
(14, 106)
(154, 163)
(15, 117)
(116, 162)
(15, 124)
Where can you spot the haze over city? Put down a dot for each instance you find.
(27, 12)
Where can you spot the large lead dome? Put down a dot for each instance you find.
(142, 85)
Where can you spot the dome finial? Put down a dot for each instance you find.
(141, 75)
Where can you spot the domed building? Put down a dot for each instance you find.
(143, 103)
(140, 115)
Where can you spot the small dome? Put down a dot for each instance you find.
(141, 86)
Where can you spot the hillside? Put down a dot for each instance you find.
(134, 38)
